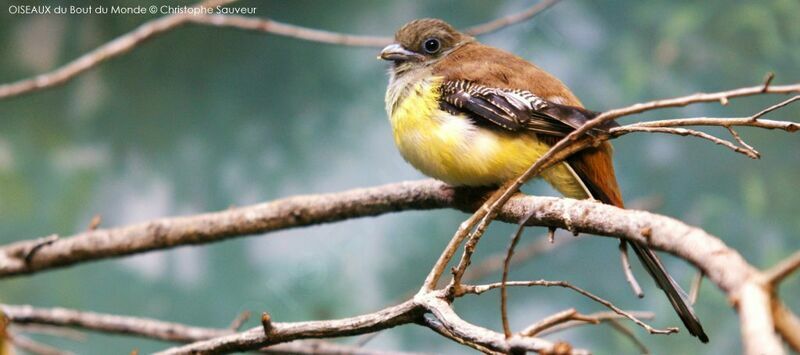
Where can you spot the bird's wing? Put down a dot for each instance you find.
(512, 109)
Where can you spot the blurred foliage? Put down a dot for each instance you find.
(203, 118)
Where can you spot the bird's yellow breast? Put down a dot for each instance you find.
(453, 149)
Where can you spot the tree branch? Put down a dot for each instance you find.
(273, 27)
(255, 338)
(468, 334)
(500, 23)
(777, 273)
(474, 227)
(160, 330)
(107, 323)
(211, 227)
(757, 324)
(723, 266)
(787, 324)
(34, 347)
(112, 49)
(483, 288)
(153, 28)
(553, 320)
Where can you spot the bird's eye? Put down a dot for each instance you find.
(431, 45)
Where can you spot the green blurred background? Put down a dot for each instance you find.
(202, 118)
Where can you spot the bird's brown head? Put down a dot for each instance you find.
(423, 42)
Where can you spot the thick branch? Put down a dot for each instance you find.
(165, 233)
(757, 324)
(724, 266)
(446, 320)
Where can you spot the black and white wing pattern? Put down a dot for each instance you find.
(513, 110)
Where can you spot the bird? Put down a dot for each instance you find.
(469, 114)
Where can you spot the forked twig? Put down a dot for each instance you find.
(626, 268)
(478, 289)
(556, 319)
(786, 267)
(506, 264)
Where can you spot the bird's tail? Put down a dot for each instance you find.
(675, 294)
(594, 168)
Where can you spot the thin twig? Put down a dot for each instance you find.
(750, 121)
(626, 268)
(694, 292)
(478, 289)
(674, 126)
(741, 141)
(506, 264)
(288, 30)
(604, 317)
(50, 330)
(95, 222)
(786, 267)
(524, 253)
(509, 20)
(239, 320)
(548, 322)
(599, 316)
(34, 347)
(617, 131)
(628, 334)
(767, 81)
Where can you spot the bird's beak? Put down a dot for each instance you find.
(397, 53)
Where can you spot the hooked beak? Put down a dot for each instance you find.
(397, 53)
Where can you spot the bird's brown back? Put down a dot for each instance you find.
(497, 68)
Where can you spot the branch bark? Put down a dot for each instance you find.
(20, 315)
(17, 258)
(108, 323)
(255, 338)
(723, 266)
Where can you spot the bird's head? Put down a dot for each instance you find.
(421, 43)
